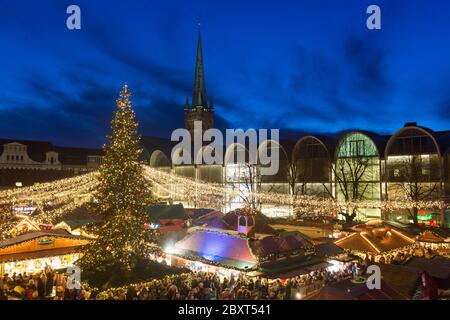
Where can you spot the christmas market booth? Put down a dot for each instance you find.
(33, 251)
(166, 217)
(375, 238)
(228, 252)
(434, 240)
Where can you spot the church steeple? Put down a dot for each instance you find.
(199, 95)
(199, 110)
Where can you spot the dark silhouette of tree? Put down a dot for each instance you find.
(415, 181)
(350, 175)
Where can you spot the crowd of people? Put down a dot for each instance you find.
(400, 255)
(46, 284)
(52, 285)
(208, 286)
(187, 286)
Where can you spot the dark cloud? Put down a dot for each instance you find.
(444, 109)
(368, 64)
(61, 86)
(169, 77)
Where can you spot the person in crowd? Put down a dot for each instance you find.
(199, 285)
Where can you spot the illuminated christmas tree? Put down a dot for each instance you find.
(122, 198)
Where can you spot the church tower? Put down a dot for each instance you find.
(199, 110)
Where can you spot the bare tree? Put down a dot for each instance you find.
(298, 177)
(415, 181)
(252, 185)
(351, 182)
(248, 185)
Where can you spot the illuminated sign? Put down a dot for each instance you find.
(426, 218)
(25, 210)
(45, 242)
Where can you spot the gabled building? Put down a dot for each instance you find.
(25, 162)
(385, 165)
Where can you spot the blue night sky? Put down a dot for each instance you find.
(299, 65)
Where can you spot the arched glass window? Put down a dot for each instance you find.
(413, 170)
(159, 159)
(312, 161)
(357, 172)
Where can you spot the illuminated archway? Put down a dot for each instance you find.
(208, 172)
(240, 177)
(357, 171)
(312, 161)
(159, 159)
(413, 172)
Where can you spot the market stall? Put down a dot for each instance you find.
(31, 252)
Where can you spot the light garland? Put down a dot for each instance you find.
(54, 199)
(305, 203)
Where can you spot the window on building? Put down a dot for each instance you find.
(357, 147)
(426, 171)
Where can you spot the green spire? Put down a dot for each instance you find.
(199, 96)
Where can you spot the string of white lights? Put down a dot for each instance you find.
(54, 199)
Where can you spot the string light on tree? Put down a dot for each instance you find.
(123, 196)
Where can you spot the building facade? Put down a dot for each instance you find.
(410, 165)
(24, 162)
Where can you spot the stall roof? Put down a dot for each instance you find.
(262, 222)
(349, 290)
(39, 254)
(438, 267)
(293, 267)
(432, 237)
(328, 249)
(216, 247)
(285, 242)
(33, 235)
(375, 236)
(404, 280)
(76, 223)
(415, 230)
(165, 211)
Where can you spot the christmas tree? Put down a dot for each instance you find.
(122, 198)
